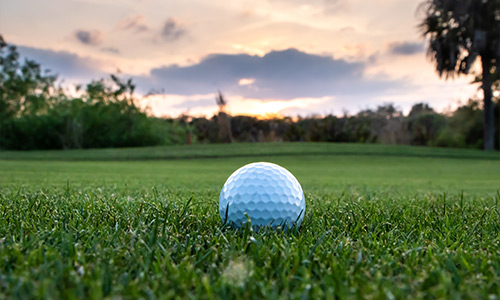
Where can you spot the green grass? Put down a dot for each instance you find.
(247, 150)
(381, 222)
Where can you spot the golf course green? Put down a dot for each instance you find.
(381, 222)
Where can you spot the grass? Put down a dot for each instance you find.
(381, 222)
(247, 150)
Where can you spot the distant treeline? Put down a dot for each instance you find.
(423, 126)
(36, 114)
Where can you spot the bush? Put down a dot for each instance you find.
(425, 128)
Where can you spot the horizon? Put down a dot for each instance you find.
(266, 57)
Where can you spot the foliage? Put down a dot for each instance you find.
(425, 125)
(35, 114)
(464, 127)
(460, 32)
(422, 127)
(24, 88)
(92, 121)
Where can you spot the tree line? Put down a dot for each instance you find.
(423, 126)
(37, 114)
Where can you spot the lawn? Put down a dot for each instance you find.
(381, 222)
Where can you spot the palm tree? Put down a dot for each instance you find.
(223, 120)
(460, 32)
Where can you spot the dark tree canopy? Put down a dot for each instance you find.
(460, 32)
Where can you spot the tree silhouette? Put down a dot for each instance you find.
(223, 119)
(220, 101)
(459, 33)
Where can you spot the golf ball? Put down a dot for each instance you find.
(267, 193)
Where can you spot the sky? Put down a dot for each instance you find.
(287, 57)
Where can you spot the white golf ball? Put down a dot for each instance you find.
(267, 193)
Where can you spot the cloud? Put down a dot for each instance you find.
(406, 48)
(288, 81)
(66, 64)
(172, 30)
(135, 23)
(89, 37)
(286, 74)
(246, 81)
(204, 103)
(335, 7)
(348, 30)
(111, 50)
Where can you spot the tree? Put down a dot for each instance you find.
(459, 33)
(420, 108)
(225, 135)
(424, 125)
(24, 88)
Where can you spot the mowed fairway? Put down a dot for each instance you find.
(381, 222)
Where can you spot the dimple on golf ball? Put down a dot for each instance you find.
(269, 194)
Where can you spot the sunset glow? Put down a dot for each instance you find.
(284, 57)
(246, 81)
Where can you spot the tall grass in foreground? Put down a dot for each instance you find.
(164, 242)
